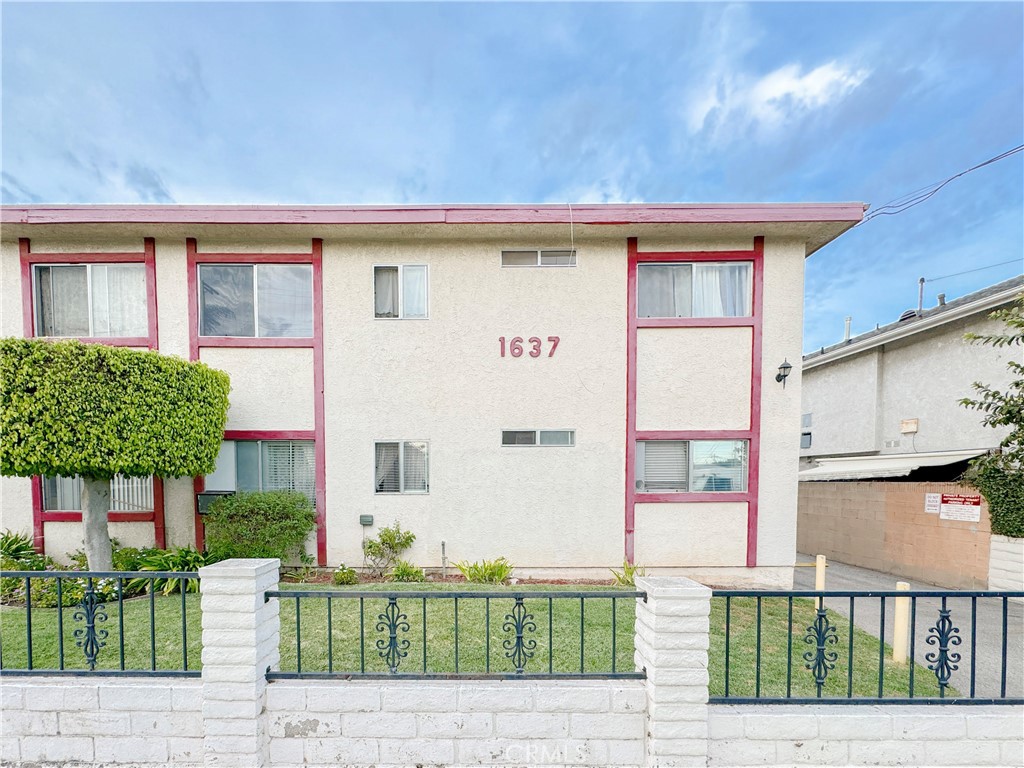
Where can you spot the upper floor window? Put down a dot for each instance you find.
(257, 300)
(400, 291)
(691, 466)
(91, 300)
(400, 467)
(712, 289)
(564, 437)
(534, 258)
(127, 494)
(265, 465)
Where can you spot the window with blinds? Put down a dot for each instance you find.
(127, 494)
(691, 466)
(401, 467)
(265, 465)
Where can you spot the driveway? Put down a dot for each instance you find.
(988, 641)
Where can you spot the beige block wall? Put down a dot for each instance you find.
(883, 526)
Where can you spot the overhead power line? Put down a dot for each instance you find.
(911, 199)
(979, 269)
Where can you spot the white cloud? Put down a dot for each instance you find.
(733, 102)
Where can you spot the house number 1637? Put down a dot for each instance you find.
(533, 346)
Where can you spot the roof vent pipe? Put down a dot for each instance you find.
(942, 299)
(846, 333)
(920, 295)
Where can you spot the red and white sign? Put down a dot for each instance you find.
(960, 507)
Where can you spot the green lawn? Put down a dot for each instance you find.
(559, 620)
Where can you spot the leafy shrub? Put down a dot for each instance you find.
(381, 553)
(405, 571)
(627, 576)
(181, 559)
(487, 571)
(343, 576)
(1003, 489)
(125, 558)
(259, 524)
(16, 546)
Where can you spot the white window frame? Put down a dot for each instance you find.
(641, 448)
(539, 252)
(36, 308)
(536, 439)
(255, 296)
(401, 466)
(401, 297)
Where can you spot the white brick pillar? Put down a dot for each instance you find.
(672, 646)
(240, 642)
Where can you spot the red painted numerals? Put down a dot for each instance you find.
(534, 346)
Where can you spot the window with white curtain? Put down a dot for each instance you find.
(400, 291)
(691, 466)
(91, 300)
(401, 467)
(699, 289)
(563, 437)
(256, 300)
(265, 465)
(127, 494)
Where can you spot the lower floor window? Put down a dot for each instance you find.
(691, 466)
(127, 494)
(400, 467)
(265, 465)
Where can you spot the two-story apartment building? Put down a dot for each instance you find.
(566, 386)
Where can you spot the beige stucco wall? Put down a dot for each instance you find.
(443, 380)
(672, 534)
(682, 381)
(270, 388)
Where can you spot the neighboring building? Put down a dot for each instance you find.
(882, 426)
(564, 386)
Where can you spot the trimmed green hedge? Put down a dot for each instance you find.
(68, 408)
(1003, 489)
(259, 524)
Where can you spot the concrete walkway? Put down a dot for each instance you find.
(988, 641)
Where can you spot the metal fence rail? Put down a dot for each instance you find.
(463, 634)
(799, 647)
(99, 623)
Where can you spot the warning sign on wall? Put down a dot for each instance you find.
(932, 502)
(960, 507)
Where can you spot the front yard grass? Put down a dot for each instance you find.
(304, 639)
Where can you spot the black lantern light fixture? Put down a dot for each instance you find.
(783, 373)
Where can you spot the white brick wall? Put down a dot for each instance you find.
(824, 735)
(326, 723)
(53, 721)
(1006, 564)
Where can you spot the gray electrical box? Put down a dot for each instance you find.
(366, 519)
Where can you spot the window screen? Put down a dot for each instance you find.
(520, 437)
(285, 300)
(663, 465)
(414, 465)
(386, 473)
(557, 437)
(289, 465)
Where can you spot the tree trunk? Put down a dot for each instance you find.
(95, 506)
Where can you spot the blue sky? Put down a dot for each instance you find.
(430, 103)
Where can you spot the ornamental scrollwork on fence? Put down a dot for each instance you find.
(390, 648)
(944, 635)
(91, 611)
(519, 648)
(820, 661)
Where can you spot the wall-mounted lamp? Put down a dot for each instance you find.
(783, 373)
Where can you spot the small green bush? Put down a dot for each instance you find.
(16, 546)
(181, 559)
(381, 553)
(344, 576)
(259, 524)
(1003, 489)
(627, 576)
(405, 571)
(487, 571)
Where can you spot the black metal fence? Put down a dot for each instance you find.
(99, 623)
(837, 646)
(464, 634)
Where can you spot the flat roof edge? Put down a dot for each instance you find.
(592, 213)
